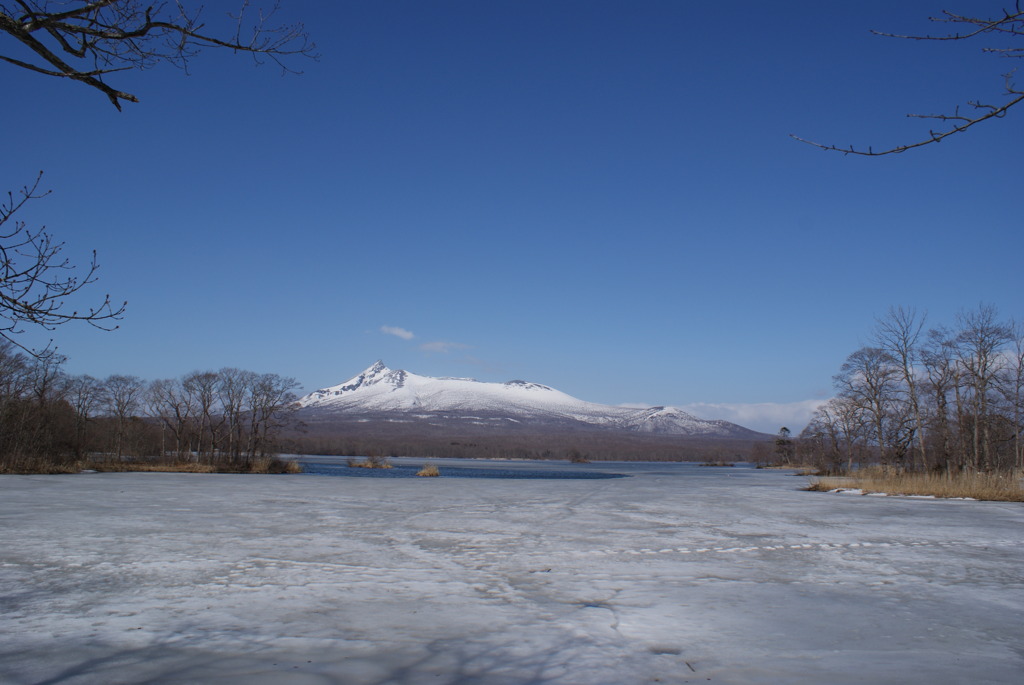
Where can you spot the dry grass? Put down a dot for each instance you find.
(370, 463)
(272, 465)
(42, 468)
(997, 487)
(261, 465)
(429, 471)
(159, 467)
(801, 469)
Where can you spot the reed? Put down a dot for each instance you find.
(370, 463)
(996, 486)
(429, 471)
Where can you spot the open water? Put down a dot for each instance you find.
(408, 469)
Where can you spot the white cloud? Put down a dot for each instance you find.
(442, 347)
(397, 332)
(766, 417)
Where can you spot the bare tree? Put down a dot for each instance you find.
(1013, 391)
(169, 402)
(36, 280)
(870, 379)
(83, 393)
(234, 394)
(784, 448)
(121, 397)
(15, 381)
(980, 340)
(898, 334)
(45, 375)
(839, 430)
(203, 386)
(271, 404)
(1008, 25)
(13, 372)
(88, 40)
(941, 383)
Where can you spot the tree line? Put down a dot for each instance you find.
(942, 399)
(351, 441)
(52, 420)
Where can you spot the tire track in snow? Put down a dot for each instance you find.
(482, 561)
(819, 546)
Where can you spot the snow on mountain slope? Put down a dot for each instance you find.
(382, 391)
(379, 388)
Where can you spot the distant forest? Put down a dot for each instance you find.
(587, 445)
(53, 421)
(230, 419)
(941, 399)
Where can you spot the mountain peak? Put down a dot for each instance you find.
(378, 372)
(526, 385)
(382, 394)
(375, 369)
(374, 374)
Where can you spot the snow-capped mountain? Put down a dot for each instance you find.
(383, 394)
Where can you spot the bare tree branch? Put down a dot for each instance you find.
(87, 41)
(1010, 24)
(36, 280)
(118, 35)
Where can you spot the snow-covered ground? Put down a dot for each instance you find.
(677, 574)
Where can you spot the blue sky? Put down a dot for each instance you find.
(599, 196)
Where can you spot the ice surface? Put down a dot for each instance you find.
(676, 574)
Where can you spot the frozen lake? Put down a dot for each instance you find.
(676, 574)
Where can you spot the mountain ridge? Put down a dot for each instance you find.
(381, 394)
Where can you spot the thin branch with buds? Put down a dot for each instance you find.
(36, 280)
(119, 35)
(1010, 24)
